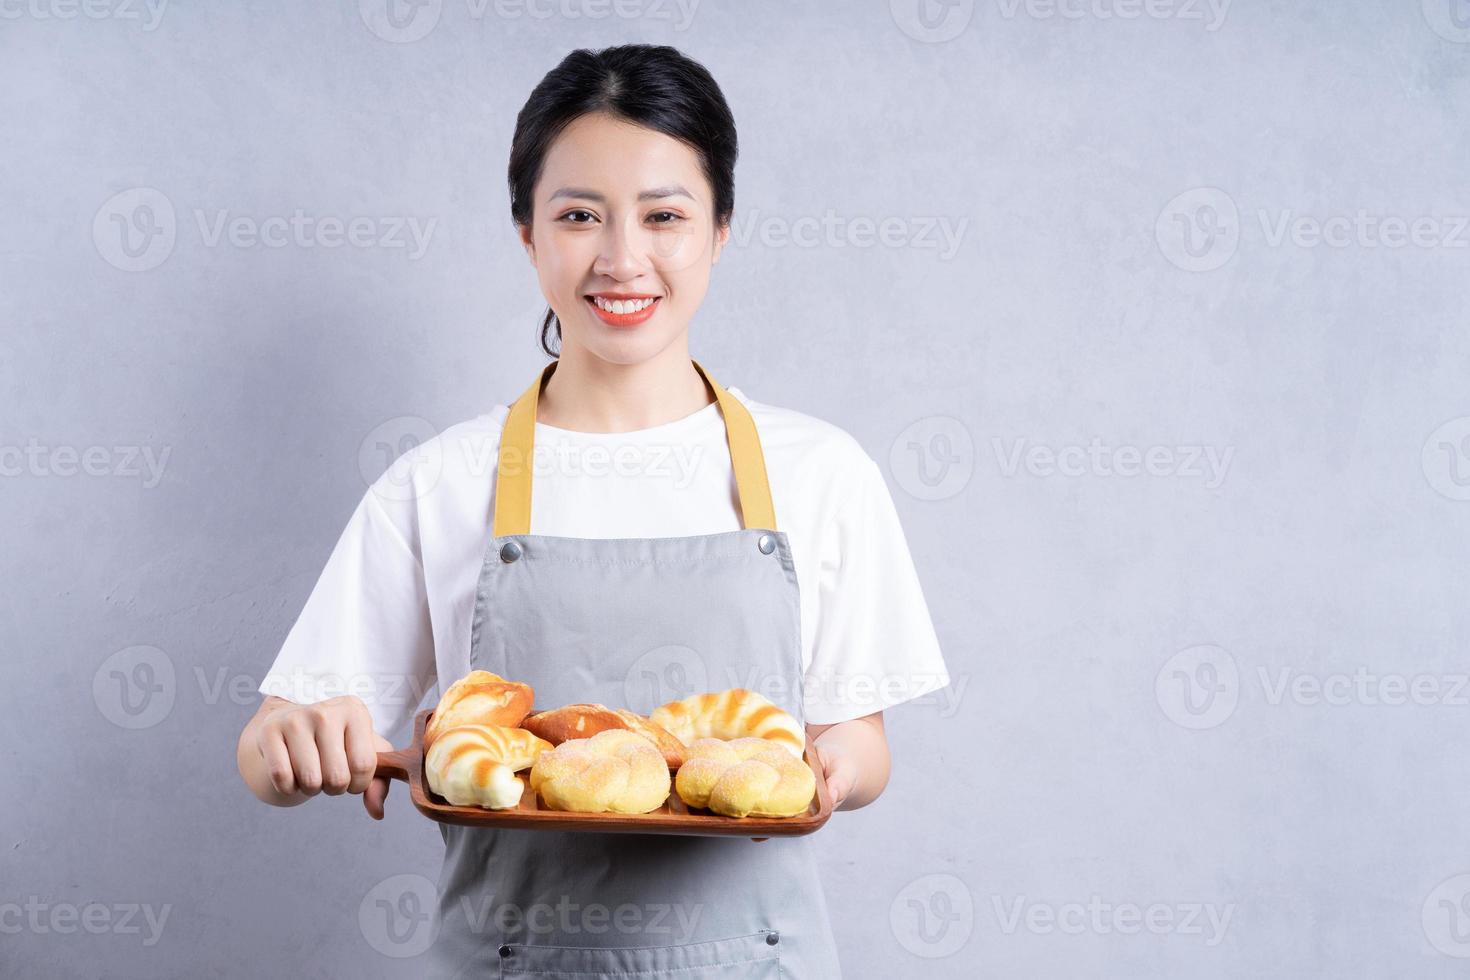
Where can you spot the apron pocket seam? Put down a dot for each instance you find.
(509, 968)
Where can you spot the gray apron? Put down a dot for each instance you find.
(634, 622)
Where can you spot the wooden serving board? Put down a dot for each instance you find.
(674, 817)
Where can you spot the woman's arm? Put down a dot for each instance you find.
(855, 756)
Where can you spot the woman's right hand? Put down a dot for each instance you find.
(290, 752)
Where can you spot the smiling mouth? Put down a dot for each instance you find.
(623, 312)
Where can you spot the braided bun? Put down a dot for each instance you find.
(614, 771)
(745, 777)
(735, 713)
(475, 765)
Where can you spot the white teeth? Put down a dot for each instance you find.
(621, 305)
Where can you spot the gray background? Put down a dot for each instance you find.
(1117, 734)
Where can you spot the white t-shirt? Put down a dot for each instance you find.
(392, 610)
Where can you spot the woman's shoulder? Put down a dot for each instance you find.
(460, 453)
(476, 429)
(813, 442)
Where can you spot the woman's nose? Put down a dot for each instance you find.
(624, 253)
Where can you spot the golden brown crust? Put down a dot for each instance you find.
(571, 721)
(480, 698)
(730, 714)
(672, 749)
(475, 765)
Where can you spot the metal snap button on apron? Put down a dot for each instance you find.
(773, 939)
(510, 551)
(504, 951)
(766, 544)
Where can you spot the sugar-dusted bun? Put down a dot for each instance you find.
(745, 777)
(479, 698)
(585, 720)
(614, 771)
(475, 765)
(734, 713)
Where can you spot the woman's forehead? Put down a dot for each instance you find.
(597, 156)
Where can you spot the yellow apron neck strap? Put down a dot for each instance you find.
(517, 448)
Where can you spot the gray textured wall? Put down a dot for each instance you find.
(1154, 310)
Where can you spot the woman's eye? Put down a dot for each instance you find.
(581, 216)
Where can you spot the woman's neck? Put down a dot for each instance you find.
(589, 394)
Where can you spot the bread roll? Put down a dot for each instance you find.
(479, 698)
(745, 777)
(614, 771)
(475, 765)
(730, 714)
(585, 720)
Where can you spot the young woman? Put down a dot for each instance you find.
(673, 536)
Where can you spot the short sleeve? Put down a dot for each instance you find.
(365, 629)
(875, 642)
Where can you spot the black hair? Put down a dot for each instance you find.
(650, 85)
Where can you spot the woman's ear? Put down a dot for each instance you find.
(722, 236)
(527, 242)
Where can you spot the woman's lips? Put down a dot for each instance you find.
(623, 319)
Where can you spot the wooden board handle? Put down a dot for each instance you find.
(394, 764)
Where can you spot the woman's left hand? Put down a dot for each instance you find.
(840, 771)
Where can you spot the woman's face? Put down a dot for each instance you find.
(622, 211)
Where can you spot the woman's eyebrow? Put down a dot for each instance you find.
(652, 194)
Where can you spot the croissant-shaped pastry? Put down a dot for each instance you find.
(615, 771)
(585, 720)
(476, 765)
(743, 777)
(735, 713)
(479, 698)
